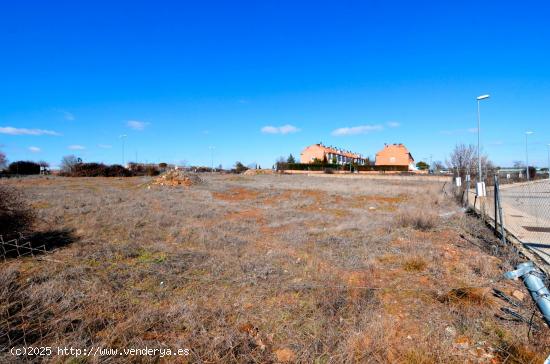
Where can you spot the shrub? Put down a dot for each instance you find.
(24, 167)
(151, 171)
(98, 170)
(116, 170)
(15, 215)
(418, 219)
(414, 264)
(143, 170)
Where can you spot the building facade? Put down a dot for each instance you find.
(395, 155)
(320, 152)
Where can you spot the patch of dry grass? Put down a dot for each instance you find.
(417, 218)
(261, 268)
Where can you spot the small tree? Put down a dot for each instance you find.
(281, 164)
(239, 167)
(291, 159)
(334, 160)
(422, 165)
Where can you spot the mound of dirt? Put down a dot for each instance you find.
(254, 172)
(176, 177)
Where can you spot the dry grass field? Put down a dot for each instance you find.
(267, 268)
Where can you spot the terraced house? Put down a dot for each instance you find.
(320, 152)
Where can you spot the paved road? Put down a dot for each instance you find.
(527, 214)
(526, 209)
(531, 198)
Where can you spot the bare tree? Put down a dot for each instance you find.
(463, 161)
(519, 164)
(68, 163)
(3, 160)
(438, 165)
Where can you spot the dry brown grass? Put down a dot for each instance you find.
(417, 218)
(264, 268)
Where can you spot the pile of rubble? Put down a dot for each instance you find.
(176, 177)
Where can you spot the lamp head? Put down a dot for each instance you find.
(482, 97)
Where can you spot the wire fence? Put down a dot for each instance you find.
(512, 206)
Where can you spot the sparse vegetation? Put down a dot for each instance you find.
(264, 268)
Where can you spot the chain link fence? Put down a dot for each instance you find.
(512, 206)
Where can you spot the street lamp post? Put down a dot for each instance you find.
(123, 137)
(527, 133)
(479, 175)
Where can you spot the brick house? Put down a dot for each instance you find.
(395, 155)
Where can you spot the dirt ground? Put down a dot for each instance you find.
(265, 268)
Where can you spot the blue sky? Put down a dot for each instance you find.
(262, 79)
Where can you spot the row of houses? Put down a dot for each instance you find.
(392, 155)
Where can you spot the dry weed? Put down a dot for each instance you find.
(417, 218)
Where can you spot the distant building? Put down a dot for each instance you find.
(320, 152)
(395, 155)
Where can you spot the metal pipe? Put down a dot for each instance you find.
(531, 277)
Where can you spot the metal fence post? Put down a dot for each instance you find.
(467, 191)
(499, 205)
